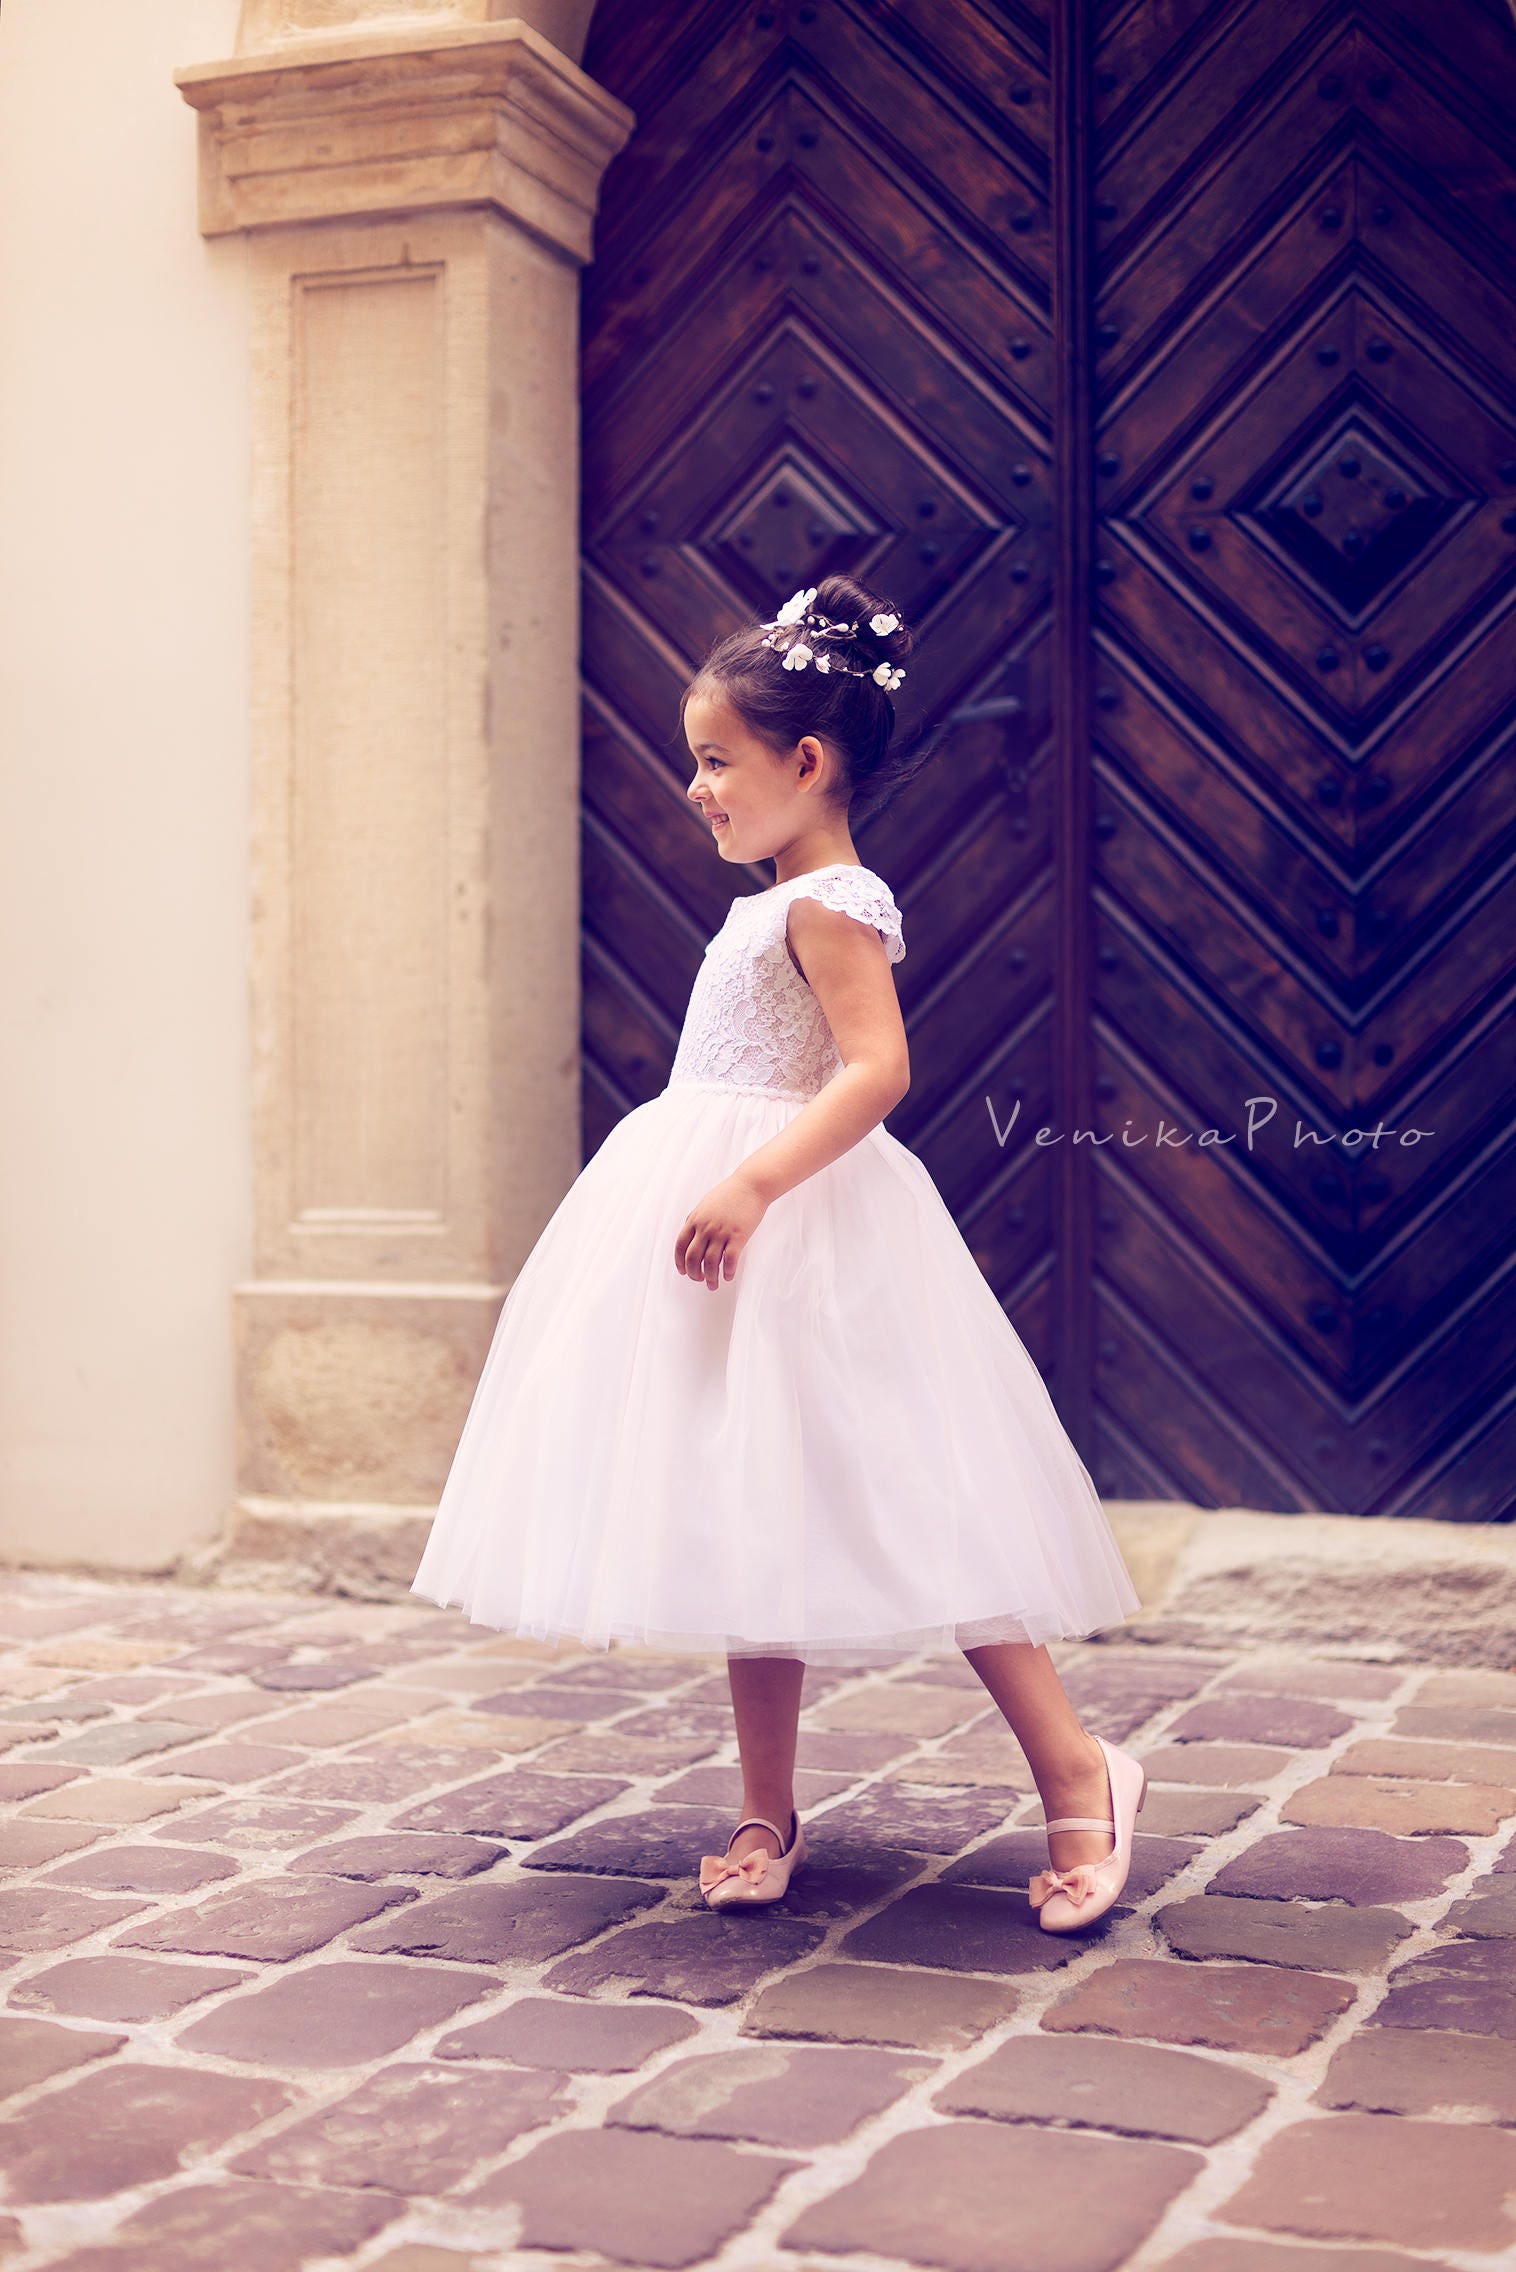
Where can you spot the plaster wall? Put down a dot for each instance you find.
(125, 1152)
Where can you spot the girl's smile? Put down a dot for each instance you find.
(770, 806)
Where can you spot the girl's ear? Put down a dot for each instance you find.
(811, 750)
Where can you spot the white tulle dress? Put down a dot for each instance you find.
(843, 1454)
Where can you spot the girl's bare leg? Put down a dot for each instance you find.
(1064, 1757)
(766, 1706)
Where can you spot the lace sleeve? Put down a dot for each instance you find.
(858, 892)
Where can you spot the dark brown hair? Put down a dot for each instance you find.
(853, 714)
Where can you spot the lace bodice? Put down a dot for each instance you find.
(752, 1020)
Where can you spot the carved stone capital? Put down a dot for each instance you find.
(364, 125)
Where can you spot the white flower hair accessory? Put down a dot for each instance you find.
(803, 637)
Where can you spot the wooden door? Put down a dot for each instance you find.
(1065, 326)
(1305, 467)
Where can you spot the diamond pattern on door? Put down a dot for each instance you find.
(1306, 564)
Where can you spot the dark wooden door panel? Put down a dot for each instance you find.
(1306, 563)
(852, 268)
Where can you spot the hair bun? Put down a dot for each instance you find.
(849, 602)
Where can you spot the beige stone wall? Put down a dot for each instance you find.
(125, 1167)
(291, 825)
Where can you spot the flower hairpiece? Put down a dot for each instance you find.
(803, 637)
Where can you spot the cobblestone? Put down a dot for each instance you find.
(38, 1917)
(348, 1932)
(1376, 2177)
(516, 1922)
(114, 1987)
(1469, 1985)
(23, 1845)
(1232, 2007)
(1133, 2088)
(581, 2038)
(25, 1780)
(973, 2197)
(1428, 1761)
(1343, 1865)
(1329, 1937)
(872, 2003)
(334, 2015)
(653, 1845)
(1463, 1723)
(1229, 1764)
(33, 2050)
(698, 1959)
(1430, 2072)
(410, 2129)
(519, 1805)
(408, 1854)
(259, 1826)
(107, 1801)
(122, 2125)
(271, 1918)
(933, 1822)
(257, 2228)
(770, 2095)
(1374, 1803)
(899, 1708)
(231, 1762)
(962, 1928)
(1294, 1721)
(144, 1869)
(1487, 1913)
(111, 1743)
(635, 2197)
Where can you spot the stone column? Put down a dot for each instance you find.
(417, 185)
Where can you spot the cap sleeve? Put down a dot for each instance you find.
(857, 892)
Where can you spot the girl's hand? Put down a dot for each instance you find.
(714, 1232)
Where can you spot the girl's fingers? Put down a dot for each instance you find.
(710, 1253)
(688, 1250)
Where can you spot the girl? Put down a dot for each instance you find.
(750, 1392)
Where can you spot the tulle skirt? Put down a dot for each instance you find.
(842, 1454)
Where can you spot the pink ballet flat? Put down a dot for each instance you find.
(1069, 1900)
(759, 1877)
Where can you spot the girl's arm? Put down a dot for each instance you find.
(845, 964)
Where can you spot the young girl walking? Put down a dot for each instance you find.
(750, 1392)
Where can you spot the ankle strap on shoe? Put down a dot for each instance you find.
(1078, 1822)
(761, 1822)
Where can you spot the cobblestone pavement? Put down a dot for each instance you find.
(343, 1935)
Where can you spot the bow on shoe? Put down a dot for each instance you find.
(1078, 1883)
(715, 1868)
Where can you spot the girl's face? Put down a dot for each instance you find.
(754, 801)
